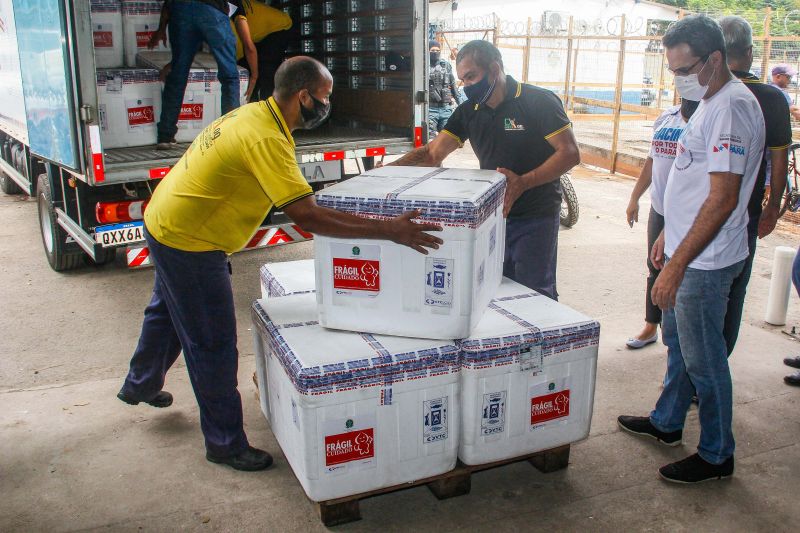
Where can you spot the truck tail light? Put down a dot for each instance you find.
(113, 212)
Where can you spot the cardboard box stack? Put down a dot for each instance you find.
(361, 407)
(106, 16)
(139, 21)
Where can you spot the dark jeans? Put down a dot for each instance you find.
(697, 361)
(655, 225)
(532, 252)
(192, 307)
(733, 316)
(190, 24)
(796, 272)
(437, 119)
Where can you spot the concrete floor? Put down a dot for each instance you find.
(72, 457)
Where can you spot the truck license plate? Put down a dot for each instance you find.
(116, 234)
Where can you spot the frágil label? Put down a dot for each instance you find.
(549, 402)
(140, 113)
(356, 269)
(350, 446)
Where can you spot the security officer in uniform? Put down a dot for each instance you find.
(523, 132)
(442, 90)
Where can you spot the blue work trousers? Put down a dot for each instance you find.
(192, 308)
(532, 252)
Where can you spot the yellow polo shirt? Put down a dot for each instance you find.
(262, 20)
(219, 192)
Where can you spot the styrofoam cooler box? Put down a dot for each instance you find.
(202, 99)
(354, 412)
(383, 287)
(290, 277)
(139, 21)
(527, 377)
(106, 18)
(129, 103)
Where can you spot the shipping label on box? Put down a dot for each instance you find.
(356, 269)
(191, 115)
(349, 444)
(549, 402)
(493, 417)
(439, 282)
(434, 420)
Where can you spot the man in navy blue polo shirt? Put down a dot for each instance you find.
(523, 132)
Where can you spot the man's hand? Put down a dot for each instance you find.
(158, 35)
(769, 218)
(403, 230)
(665, 289)
(515, 186)
(632, 212)
(657, 253)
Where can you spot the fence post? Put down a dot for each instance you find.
(526, 54)
(618, 95)
(569, 61)
(767, 45)
(496, 32)
(574, 75)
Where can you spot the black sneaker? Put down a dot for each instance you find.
(641, 425)
(793, 362)
(792, 379)
(162, 399)
(695, 469)
(250, 460)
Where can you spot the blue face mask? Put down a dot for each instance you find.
(480, 91)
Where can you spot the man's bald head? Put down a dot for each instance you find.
(298, 73)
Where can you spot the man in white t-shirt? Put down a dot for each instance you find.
(703, 248)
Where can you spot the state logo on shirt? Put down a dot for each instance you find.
(511, 125)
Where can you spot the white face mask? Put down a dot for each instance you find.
(689, 87)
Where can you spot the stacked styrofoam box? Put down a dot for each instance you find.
(201, 100)
(527, 377)
(355, 412)
(383, 287)
(106, 18)
(129, 104)
(283, 279)
(139, 21)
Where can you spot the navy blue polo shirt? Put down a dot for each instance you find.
(514, 136)
(778, 134)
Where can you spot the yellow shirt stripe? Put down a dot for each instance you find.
(558, 131)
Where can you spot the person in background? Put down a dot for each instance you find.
(702, 249)
(191, 23)
(663, 148)
(441, 90)
(781, 78)
(208, 207)
(523, 132)
(794, 362)
(774, 166)
(271, 30)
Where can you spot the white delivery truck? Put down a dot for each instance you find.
(91, 197)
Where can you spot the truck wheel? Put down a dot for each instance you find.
(9, 186)
(60, 254)
(569, 203)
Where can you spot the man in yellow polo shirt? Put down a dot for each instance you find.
(208, 207)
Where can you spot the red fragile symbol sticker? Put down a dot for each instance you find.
(191, 112)
(140, 115)
(356, 274)
(103, 39)
(143, 38)
(550, 407)
(347, 447)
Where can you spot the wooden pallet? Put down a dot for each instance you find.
(457, 482)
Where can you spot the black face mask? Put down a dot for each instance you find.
(314, 117)
(435, 57)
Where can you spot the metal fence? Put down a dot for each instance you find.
(612, 75)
